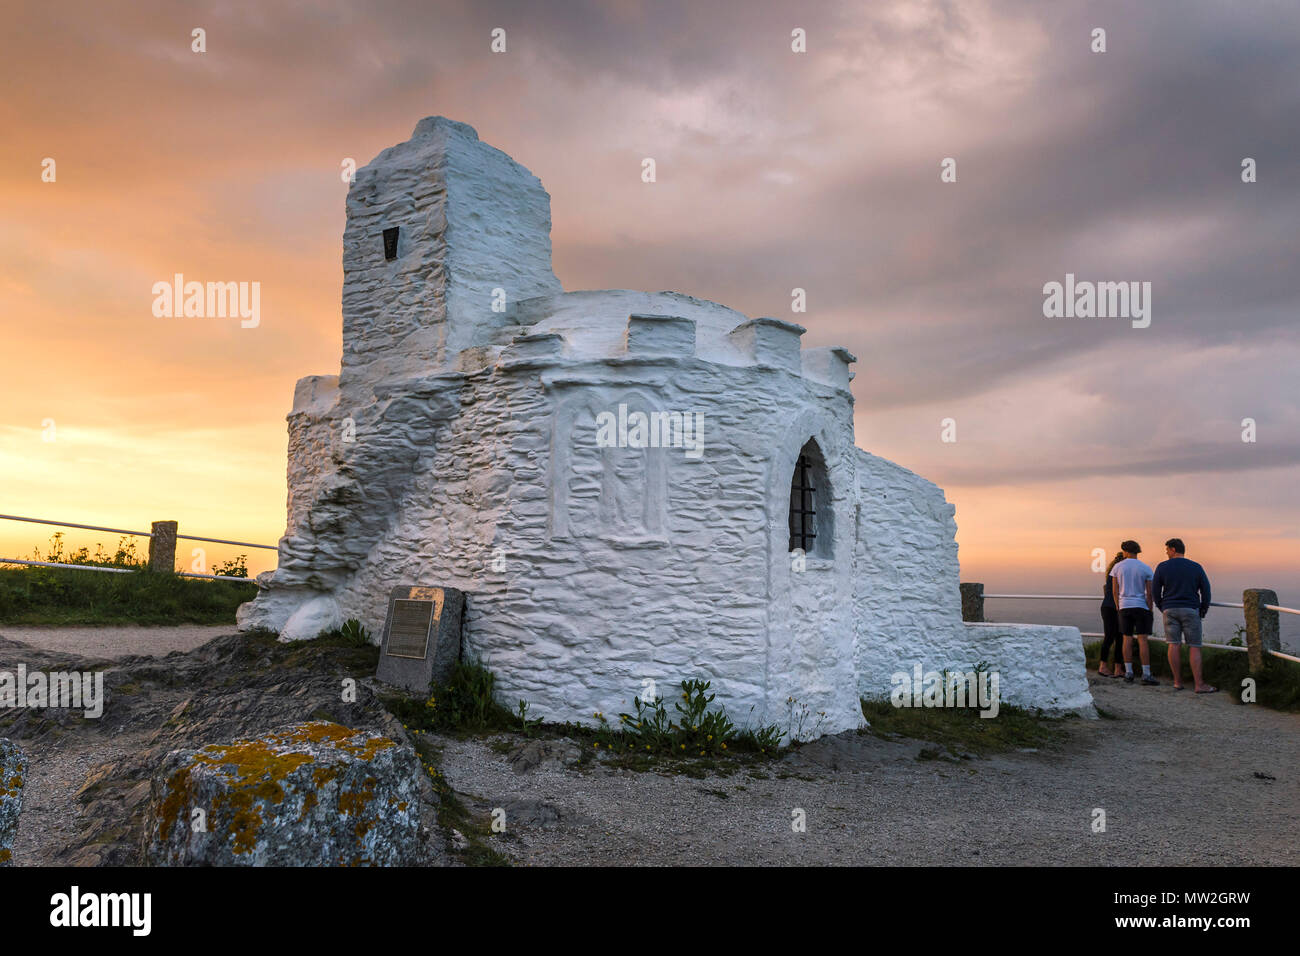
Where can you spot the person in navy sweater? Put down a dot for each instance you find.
(1182, 593)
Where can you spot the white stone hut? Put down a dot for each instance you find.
(619, 481)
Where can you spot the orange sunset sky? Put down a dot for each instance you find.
(775, 169)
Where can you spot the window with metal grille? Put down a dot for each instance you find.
(803, 511)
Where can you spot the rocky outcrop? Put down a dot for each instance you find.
(12, 770)
(317, 794)
(233, 688)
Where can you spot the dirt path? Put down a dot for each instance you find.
(51, 817)
(1182, 780)
(116, 641)
(1175, 773)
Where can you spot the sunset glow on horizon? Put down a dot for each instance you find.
(775, 172)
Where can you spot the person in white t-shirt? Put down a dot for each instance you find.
(1130, 582)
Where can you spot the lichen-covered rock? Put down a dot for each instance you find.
(317, 794)
(12, 770)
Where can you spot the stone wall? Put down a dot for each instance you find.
(661, 568)
(470, 220)
(905, 571)
(1041, 666)
(908, 603)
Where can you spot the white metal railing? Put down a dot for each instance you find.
(60, 564)
(1047, 597)
(1092, 597)
(137, 534)
(100, 567)
(87, 527)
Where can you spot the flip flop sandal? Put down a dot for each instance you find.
(1178, 687)
(1208, 690)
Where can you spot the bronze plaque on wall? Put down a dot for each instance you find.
(422, 634)
(408, 632)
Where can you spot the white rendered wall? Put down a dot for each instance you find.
(667, 579)
(908, 604)
(472, 441)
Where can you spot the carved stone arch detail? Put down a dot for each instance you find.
(630, 510)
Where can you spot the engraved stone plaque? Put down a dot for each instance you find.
(421, 640)
(408, 628)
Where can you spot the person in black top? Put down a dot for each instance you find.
(1111, 639)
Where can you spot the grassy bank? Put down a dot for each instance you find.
(65, 596)
(962, 731)
(1277, 687)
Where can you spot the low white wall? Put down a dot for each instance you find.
(1040, 665)
(907, 603)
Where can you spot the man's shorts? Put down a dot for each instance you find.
(1183, 623)
(1135, 620)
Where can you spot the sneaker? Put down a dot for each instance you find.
(1128, 678)
(1150, 682)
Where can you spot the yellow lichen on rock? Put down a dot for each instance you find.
(339, 737)
(322, 776)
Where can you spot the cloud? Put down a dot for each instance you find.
(776, 170)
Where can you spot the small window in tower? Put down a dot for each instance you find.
(812, 515)
(390, 243)
(803, 508)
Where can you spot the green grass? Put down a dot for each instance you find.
(465, 705)
(697, 742)
(962, 730)
(453, 814)
(65, 596)
(1277, 687)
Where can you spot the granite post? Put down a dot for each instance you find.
(1262, 626)
(972, 602)
(162, 546)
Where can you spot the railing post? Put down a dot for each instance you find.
(162, 546)
(1263, 632)
(972, 602)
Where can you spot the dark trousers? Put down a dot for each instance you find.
(1111, 638)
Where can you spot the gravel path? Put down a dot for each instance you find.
(51, 812)
(1183, 780)
(116, 641)
(1177, 774)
